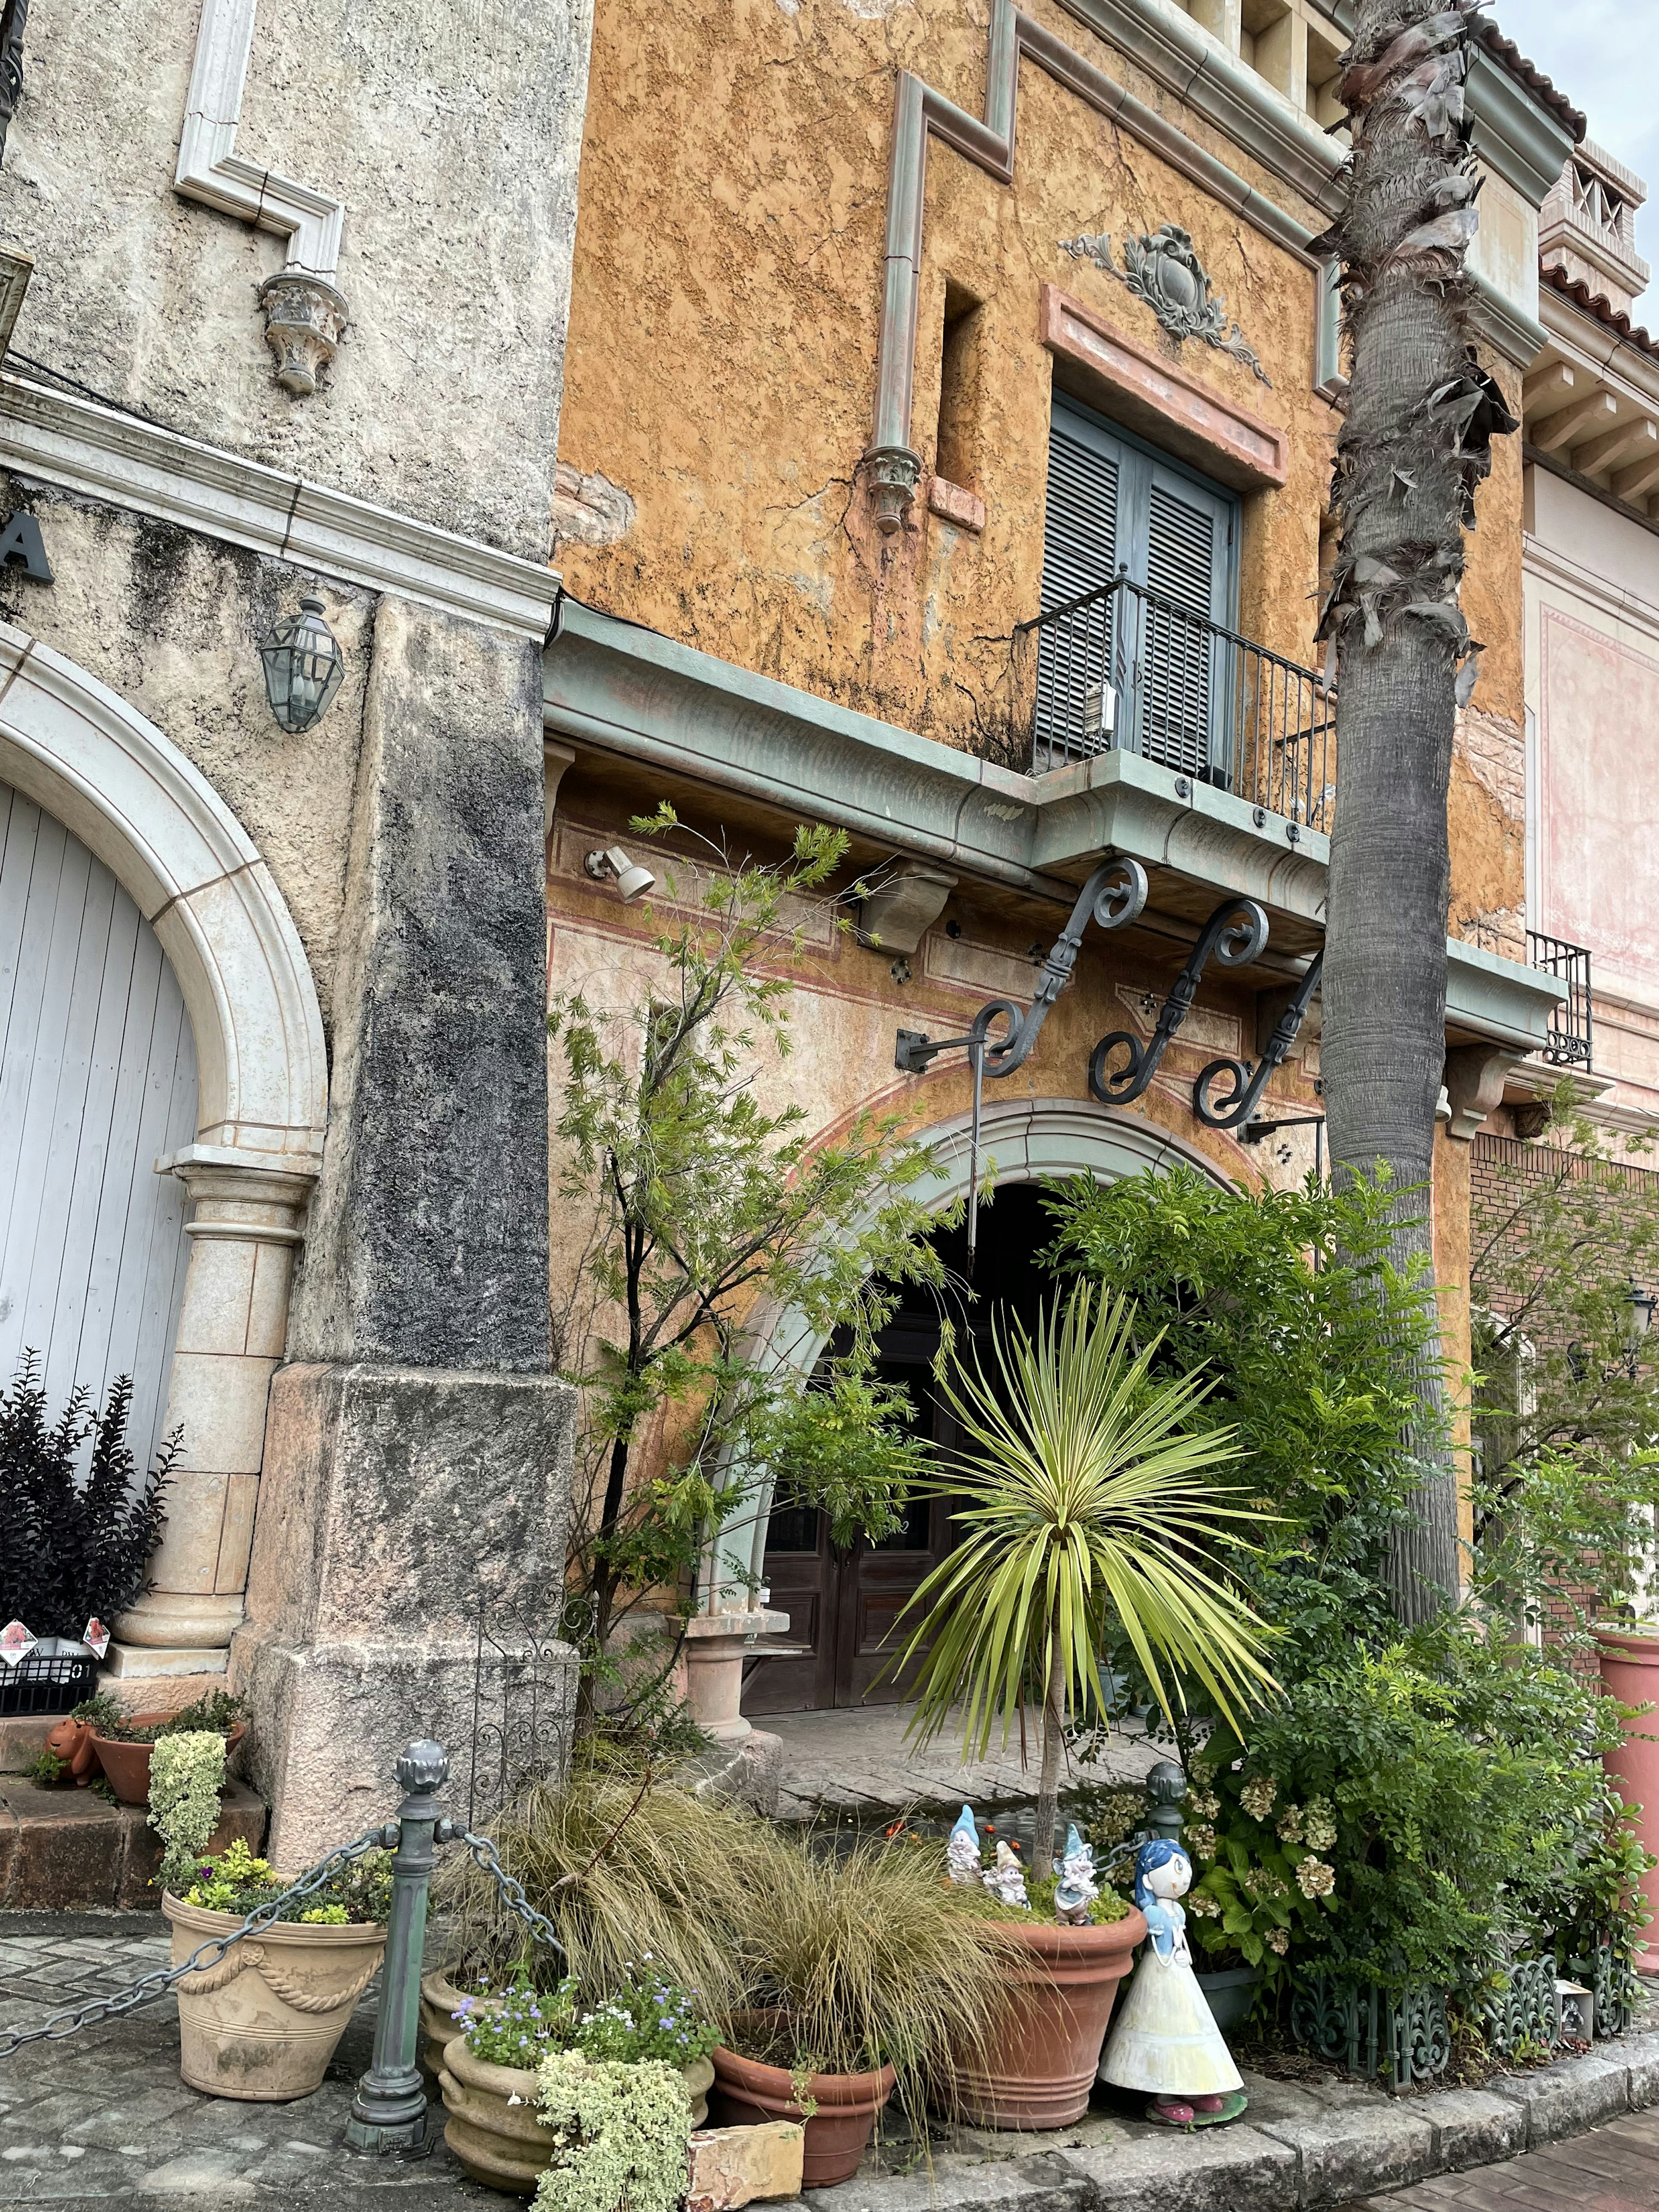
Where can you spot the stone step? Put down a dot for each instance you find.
(69, 1850)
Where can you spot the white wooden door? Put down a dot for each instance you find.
(97, 1079)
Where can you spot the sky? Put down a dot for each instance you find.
(1604, 55)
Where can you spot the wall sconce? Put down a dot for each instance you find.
(304, 666)
(632, 880)
(1642, 1303)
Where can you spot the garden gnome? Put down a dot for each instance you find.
(1077, 1888)
(1165, 2039)
(1007, 1879)
(961, 1852)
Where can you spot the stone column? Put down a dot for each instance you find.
(232, 1323)
(408, 1562)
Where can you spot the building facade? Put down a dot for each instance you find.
(275, 1083)
(949, 399)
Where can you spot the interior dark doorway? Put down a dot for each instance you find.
(843, 1604)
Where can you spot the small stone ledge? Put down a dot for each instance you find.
(1566, 2098)
(1351, 2150)
(1232, 2169)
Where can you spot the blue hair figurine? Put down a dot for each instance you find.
(1164, 2040)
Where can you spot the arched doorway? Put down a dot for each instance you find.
(97, 1081)
(843, 1604)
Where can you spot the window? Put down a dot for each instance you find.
(1139, 669)
(956, 447)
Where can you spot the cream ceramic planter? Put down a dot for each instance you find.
(492, 2127)
(439, 2026)
(263, 2024)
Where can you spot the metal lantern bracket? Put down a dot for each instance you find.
(1115, 895)
(1247, 1085)
(1236, 934)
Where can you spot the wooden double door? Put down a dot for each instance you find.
(845, 1605)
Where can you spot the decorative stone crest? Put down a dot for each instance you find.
(1162, 269)
(304, 318)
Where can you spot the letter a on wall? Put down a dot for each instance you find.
(21, 547)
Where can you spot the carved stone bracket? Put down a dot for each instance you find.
(1476, 1075)
(304, 318)
(891, 474)
(1161, 268)
(905, 899)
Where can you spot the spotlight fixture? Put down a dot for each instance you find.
(631, 880)
(303, 667)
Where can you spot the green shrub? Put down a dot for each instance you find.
(187, 1774)
(621, 2135)
(236, 1881)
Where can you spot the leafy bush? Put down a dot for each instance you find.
(214, 1713)
(187, 1774)
(71, 1550)
(646, 2019)
(236, 1881)
(621, 2135)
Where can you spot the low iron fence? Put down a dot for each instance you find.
(1126, 669)
(1570, 1034)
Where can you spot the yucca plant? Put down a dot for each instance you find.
(1086, 1510)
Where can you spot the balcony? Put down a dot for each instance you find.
(1568, 1044)
(1124, 669)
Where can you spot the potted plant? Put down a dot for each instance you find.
(489, 2076)
(262, 2023)
(124, 1742)
(73, 1552)
(1085, 1520)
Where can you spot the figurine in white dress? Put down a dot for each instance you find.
(1163, 2039)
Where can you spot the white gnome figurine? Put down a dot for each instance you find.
(1076, 1889)
(961, 1852)
(1007, 1879)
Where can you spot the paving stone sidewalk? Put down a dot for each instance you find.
(102, 2118)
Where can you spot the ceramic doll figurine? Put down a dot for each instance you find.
(961, 1852)
(1007, 1879)
(1076, 1889)
(1164, 2039)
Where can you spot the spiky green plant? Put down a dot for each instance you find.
(1084, 1508)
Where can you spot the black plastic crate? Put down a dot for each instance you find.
(50, 1685)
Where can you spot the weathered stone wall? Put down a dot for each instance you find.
(721, 359)
(173, 622)
(443, 399)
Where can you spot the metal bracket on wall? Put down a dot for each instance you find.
(1236, 932)
(1237, 1107)
(1114, 896)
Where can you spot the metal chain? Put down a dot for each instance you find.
(206, 1954)
(484, 1854)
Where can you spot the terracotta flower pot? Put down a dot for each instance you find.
(1042, 2067)
(1629, 1672)
(262, 2023)
(492, 2127)
(746, 2092)
(126, 1765)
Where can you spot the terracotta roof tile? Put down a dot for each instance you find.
(1581, 295)
(1509, 55)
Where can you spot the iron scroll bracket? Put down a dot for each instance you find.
(1114, 897)
(1233, 1111)
(1236, 934)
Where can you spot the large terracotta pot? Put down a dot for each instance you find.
(1629, 1672)
(746, 2093)
(262, 2025)
(126, 1765)
(498, 2141)
(1041, 2067)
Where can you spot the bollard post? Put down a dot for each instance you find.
(389, 2111)
(1166, 1785)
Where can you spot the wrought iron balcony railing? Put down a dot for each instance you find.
(1123, 668)
(1569, 1036)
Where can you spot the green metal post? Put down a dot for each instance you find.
(389, 2111)
(1166, 1785)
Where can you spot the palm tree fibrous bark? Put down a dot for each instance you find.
(1415, 441)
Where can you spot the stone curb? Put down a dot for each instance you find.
(1359, 2150)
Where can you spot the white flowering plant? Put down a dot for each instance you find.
(648, 2018)
(187, 1774)
(621, 2134)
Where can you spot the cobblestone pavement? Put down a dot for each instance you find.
(1612, 2169)
(857, 1761)
(103, 2114)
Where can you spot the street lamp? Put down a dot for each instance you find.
(303, 667)
(1642, 1303)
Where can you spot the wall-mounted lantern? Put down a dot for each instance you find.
(303, 667)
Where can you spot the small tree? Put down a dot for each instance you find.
(1415, 441)
(708, 1210)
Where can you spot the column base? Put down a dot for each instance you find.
(172, 1620)
(143, 1661)
(716, 1644)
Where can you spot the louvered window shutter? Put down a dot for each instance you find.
(1179, 657)
(1079, 554)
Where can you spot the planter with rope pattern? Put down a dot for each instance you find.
(263, 2024)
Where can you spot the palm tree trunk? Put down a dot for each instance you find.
(1419, 416)
(1054, 1736)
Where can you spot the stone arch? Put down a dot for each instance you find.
(82, 754)
(1025, 1139)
